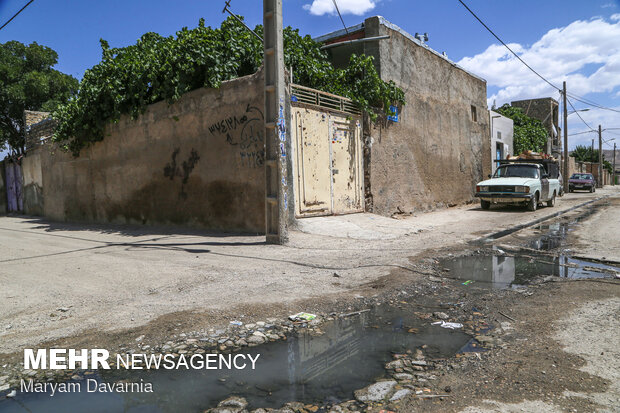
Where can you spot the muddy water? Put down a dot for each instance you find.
(512, 271)
(314, 369)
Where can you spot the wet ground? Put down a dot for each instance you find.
(351, 353)
(514, 271)
(501, 269)
(316, 369)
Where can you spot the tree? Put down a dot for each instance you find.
(529, 133)
(28, 82)
(159, 68)
(583, 153)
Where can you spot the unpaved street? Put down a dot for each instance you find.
(552, 345)
(61, 279)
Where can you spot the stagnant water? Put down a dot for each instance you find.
(502, 271)
(307, 368)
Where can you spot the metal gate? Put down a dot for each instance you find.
(15, 198)
(328, 163)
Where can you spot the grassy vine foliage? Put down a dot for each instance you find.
(159, 68)
(529, 133)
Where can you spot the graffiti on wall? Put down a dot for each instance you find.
(172, 170)
(245, 132)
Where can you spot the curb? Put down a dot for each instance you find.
(505, 232)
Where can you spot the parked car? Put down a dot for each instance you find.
(582, 181)
(525, 183)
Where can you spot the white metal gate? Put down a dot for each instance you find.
(328, 167)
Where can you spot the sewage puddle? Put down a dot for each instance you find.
(513, 271)
(317, 369)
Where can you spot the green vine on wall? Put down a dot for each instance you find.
(158, 68)
(529, 133)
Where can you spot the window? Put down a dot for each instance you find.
(474, 117)
(499, 136)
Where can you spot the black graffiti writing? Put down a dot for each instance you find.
(226, 125)
(252, 159)
(246, 132)
(172, 170)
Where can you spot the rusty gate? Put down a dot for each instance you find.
(326, 133)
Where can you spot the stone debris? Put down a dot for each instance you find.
(441, 316)
(375, 392)
(399, 394)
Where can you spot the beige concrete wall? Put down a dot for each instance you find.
(436, 153)
(198, 162)
(32, 183)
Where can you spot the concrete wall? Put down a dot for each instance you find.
(502, 133)
(32, 183)
(198, 162)
(434, 155)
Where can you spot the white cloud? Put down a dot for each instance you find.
(615, 17)
(356, 7)
(594, 117)
(560, 54)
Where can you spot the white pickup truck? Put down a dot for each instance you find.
(527, 183)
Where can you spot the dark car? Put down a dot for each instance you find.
(581, 181)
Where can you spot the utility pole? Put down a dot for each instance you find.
(565, 174)
(592, 157)
(600, 157)
(276, 165)
(613, 172)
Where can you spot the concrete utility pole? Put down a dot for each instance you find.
(600, 158)
(613, 173)
(565, 174)
(276, 169)
(592, 157)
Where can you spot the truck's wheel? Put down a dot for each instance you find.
(533, 204)
(485, 204)
(551, 202)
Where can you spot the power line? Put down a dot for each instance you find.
(506, 46)
(581, 133)
(591, 103)
(15, 15)
(341, 19)
(577, 112)
(576, 97)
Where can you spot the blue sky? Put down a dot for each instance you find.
(537, 29)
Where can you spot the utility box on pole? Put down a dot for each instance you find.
(277, 143)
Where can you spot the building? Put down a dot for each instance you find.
(545, 110)
(201, 162)
(430, 154)
(502, 133)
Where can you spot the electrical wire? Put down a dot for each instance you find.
(577, 112)
(507, 47)
(575, 97)
(581, 133)
(341, 19)
(591, 103)
(15, 15)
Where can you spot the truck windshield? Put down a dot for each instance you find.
(519, 171)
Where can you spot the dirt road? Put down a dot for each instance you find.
(60, 280)
(553, 347)
(597, 237)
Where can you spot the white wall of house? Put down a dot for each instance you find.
(501, 137)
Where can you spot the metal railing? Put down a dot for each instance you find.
(303, 94)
